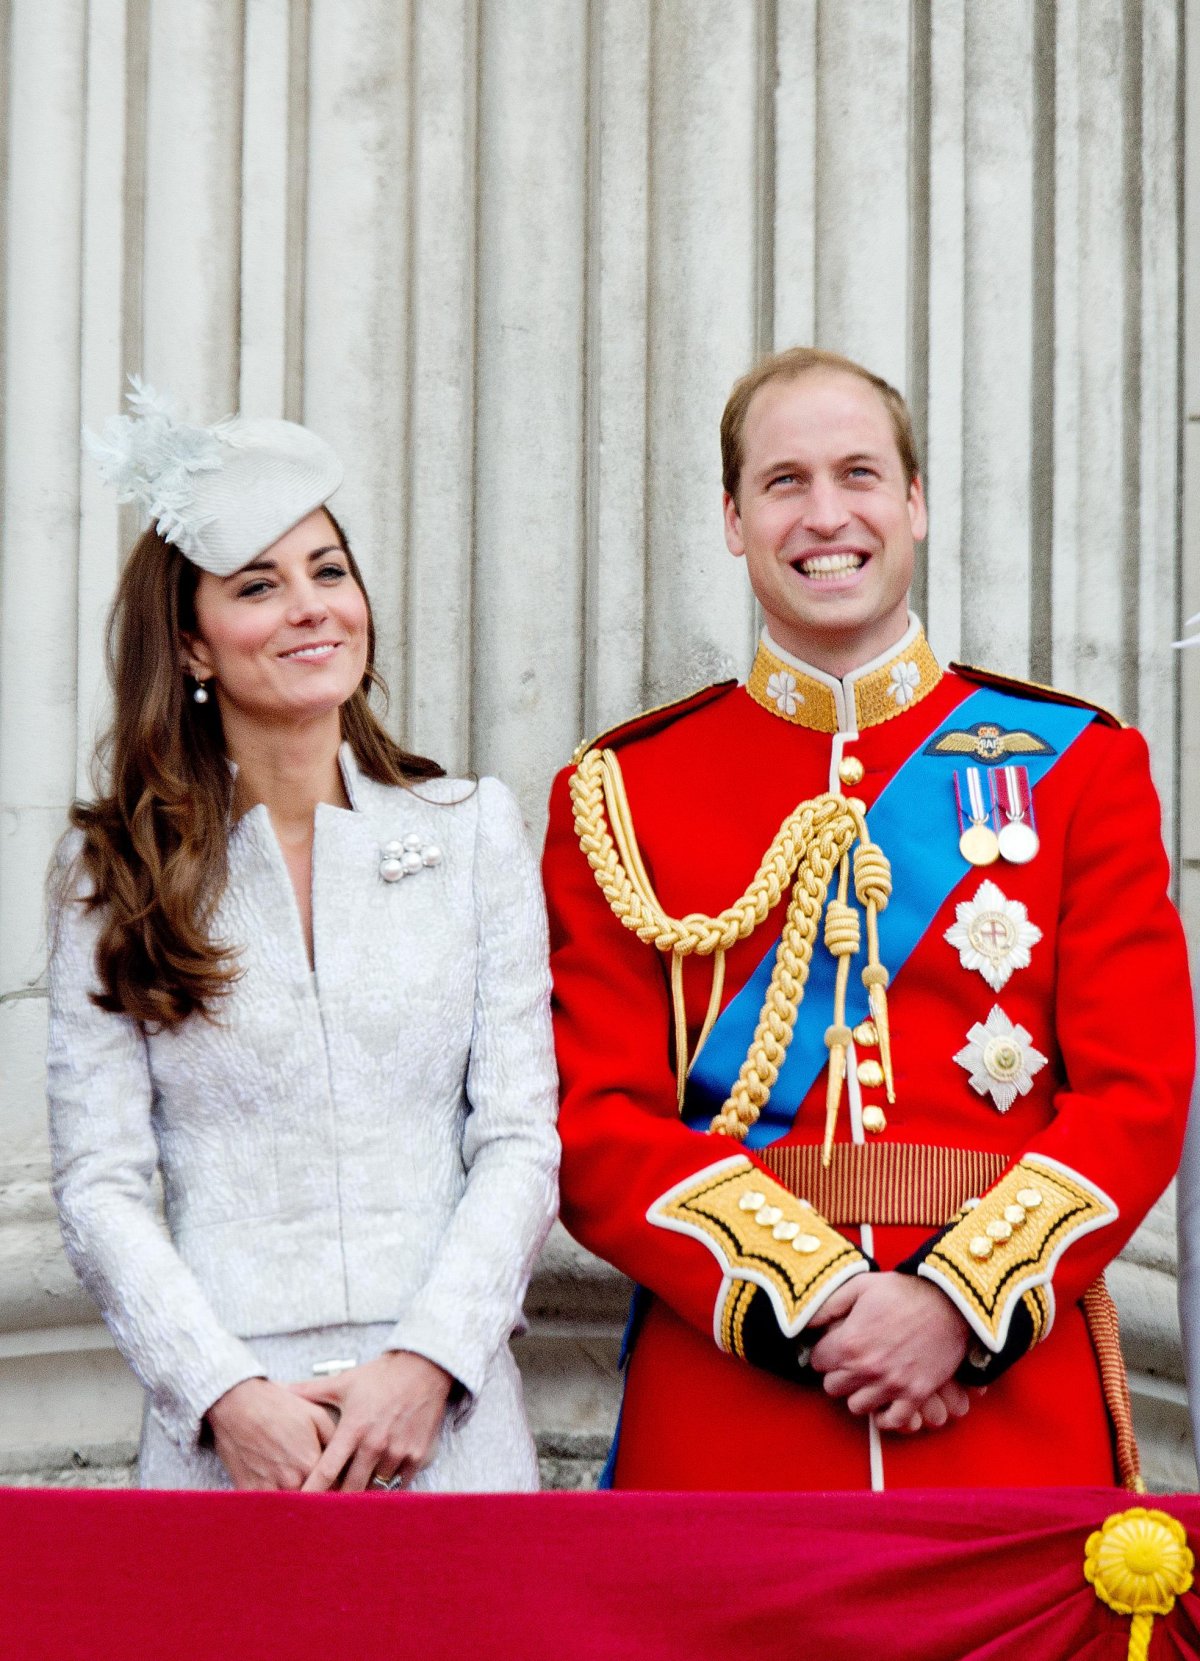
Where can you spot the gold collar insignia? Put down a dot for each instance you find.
(865, 698)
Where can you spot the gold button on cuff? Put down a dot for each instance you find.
(874, 1119)
(866, 1034)
(785, 1231)
(851, 770)
(998, 1229)
(1030, 1198)
(768, 1216)
(1015, 1214)
(981, 1247)
(806, 1243)
(870, 1073)
(752, 1201)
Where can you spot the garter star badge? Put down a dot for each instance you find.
(1000, 1059)
(993, 935)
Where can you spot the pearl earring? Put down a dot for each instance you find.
(200, 695)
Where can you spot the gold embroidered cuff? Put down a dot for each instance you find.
(1039, 1301)
(1005, 1249)
(761, 1236)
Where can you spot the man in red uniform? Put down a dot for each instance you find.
(872, 1011)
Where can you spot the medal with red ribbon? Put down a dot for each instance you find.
(1012, 797)
(977, 839)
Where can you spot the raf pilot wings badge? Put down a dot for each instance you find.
(991, 744)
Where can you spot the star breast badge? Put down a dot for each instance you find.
(989, 743)
(992, 935)
(1000, 1059)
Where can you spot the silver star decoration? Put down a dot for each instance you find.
(992, 935)
(1000, 1059)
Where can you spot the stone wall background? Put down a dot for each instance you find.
(508, 255)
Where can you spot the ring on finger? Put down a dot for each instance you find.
(391, 1484)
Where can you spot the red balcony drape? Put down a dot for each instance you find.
(916, 1576)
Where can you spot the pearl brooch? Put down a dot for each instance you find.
(405, 858)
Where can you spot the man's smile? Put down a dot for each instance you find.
(825, 565)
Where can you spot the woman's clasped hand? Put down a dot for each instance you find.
(376, 1425)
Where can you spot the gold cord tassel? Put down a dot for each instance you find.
(842, 940)
(873, 886)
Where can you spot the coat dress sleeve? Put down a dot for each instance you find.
(471, 1300)
(104, 1159)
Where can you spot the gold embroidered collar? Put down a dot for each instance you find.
(879, 691)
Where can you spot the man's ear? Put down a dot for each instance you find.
(733, 525)
(918, 518)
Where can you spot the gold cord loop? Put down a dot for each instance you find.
(842, 936)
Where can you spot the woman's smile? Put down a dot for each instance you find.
(319, 652)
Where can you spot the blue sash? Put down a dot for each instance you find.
(915, 823)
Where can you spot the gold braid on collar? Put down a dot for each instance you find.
(813, 843)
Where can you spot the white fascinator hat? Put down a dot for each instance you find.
(220, 494)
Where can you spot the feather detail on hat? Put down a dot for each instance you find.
(151, 457)
(221, 494)
(1190, 639)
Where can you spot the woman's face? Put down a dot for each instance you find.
(285, 638)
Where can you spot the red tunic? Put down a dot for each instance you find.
(1104, 998)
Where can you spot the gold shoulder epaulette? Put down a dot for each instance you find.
(1034, 689)
(652, 720)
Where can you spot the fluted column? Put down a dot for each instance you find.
(508, 256)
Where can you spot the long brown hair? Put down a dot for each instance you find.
(154, 840)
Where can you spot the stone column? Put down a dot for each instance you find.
(508, 255)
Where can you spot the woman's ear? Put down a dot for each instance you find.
(194, 656)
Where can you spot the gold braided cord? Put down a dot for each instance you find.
(777, 1021)
(810, 845)
(597, 784)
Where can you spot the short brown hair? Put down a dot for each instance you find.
(787, 366)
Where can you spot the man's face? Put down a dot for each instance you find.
(826, 518)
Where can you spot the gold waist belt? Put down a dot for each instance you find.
(899, 1183)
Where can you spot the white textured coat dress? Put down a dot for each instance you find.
(353, 1159)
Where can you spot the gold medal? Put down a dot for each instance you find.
(979, 845)
(977, 834)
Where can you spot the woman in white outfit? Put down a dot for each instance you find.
(301, 976)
